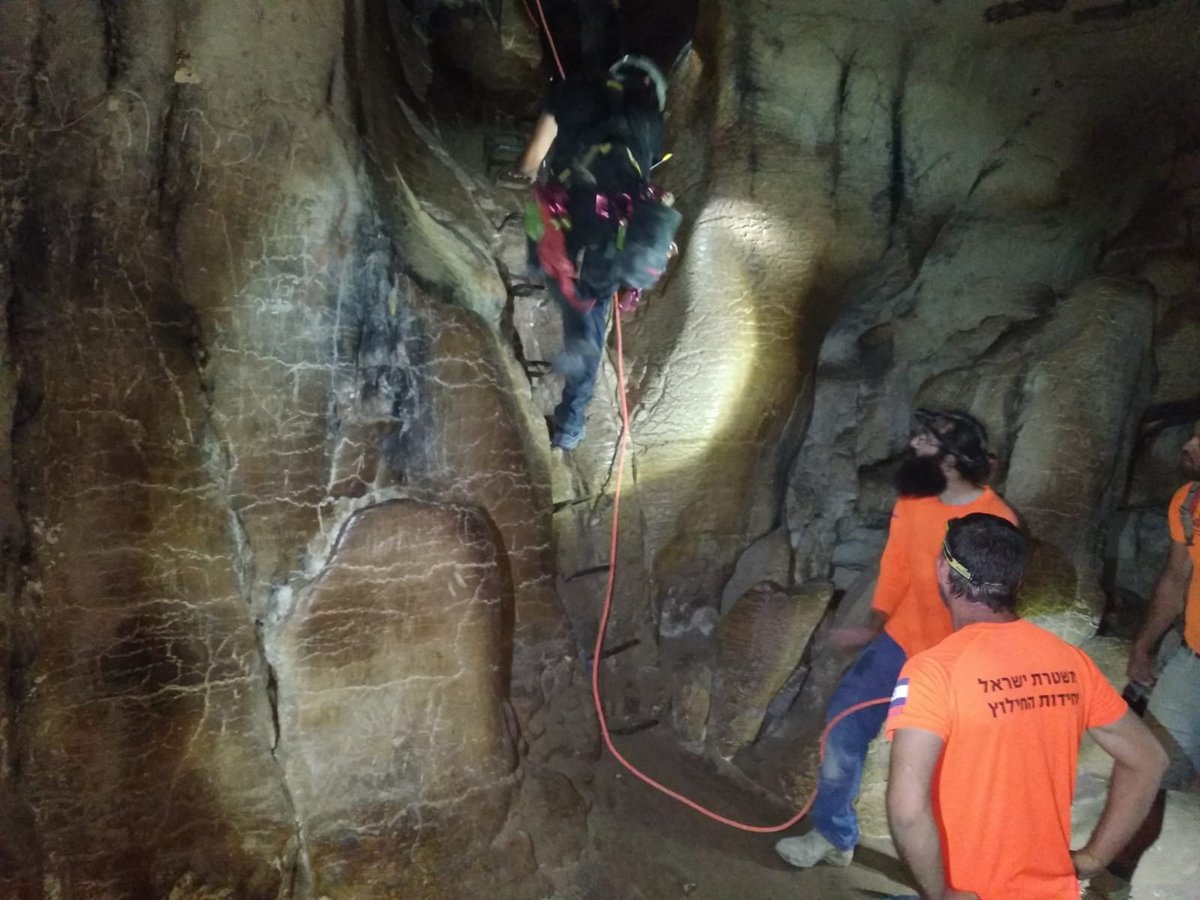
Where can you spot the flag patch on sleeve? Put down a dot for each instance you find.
(899, 697)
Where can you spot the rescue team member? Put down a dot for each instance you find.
(941, 478)
(986, 729)
(598, 225)
(1175, 701)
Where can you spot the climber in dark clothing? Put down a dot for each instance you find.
(599, 226)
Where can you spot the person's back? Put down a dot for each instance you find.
(610, 129)
(577, 105)
(986, 729)
(1012, 702)
(599, 227)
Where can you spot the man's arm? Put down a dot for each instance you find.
(915, 754)
(890, 587)
(544, 133)
(1166, 604)
(1139, 763)
(854, 637)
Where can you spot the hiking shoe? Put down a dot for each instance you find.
(514, 180)
(806, 851)
(565, 441)
(1104, 885)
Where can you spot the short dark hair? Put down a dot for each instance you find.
(986, 555)
(962, 436)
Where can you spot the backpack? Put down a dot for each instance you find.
(616, 229)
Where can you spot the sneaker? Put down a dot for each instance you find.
(806, 851)
(1104, 885)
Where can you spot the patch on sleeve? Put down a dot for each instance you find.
(899, 698)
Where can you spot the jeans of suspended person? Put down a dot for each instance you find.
(578, 363)
(1175, 703)
(873, 675)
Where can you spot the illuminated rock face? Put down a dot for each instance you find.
(391, 679)
(297, 596)
(286, 611)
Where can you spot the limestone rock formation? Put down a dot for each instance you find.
(1100, 334)
(1162, 247)
(299, 602)
(225, 353)
(759, 644)
(391, 684)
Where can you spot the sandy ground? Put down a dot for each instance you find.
(646, 846)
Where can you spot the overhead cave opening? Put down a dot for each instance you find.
(300, 599)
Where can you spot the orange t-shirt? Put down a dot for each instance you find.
(907, 591)
(1191, 617)
(1011, 701)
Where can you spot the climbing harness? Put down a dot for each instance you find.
(596, 223)
(557, 212)
(547, 219)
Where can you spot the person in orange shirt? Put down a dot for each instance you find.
(1175, 701)
(986, 729)
(942, 477)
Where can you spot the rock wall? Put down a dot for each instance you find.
(391, 696)
(239, 331)
(299, 602)
(989, 253)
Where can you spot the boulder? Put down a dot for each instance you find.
(1069, 455)
(760, 642)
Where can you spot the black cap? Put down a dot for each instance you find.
(961, 435)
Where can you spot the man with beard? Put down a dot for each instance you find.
(1175, 702)
(942, 477)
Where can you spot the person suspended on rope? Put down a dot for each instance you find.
(598, 226)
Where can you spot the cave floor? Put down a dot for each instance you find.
(643, 845)
(646, 846)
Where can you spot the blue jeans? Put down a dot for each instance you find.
(873, 675)
(583, 341)
(1175, 703)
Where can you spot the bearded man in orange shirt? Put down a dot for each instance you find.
(943, 477)
(986, 729)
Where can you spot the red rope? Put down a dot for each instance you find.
(546, 31)
(597, 655)
(599, 649)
